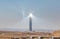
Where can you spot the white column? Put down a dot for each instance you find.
(30, 37)
(39, 37)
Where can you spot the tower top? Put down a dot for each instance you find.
(30, 15)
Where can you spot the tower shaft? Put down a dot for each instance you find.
(30, 24)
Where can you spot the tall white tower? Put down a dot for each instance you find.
(30, 22)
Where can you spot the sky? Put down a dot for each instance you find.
(14, 14)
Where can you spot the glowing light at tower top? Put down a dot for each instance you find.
(30, 15)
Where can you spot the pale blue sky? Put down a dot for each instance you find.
(46, 12)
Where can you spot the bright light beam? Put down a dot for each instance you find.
(30, 15)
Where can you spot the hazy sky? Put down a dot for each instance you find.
(13, 14)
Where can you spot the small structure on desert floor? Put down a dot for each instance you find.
(56, 34)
